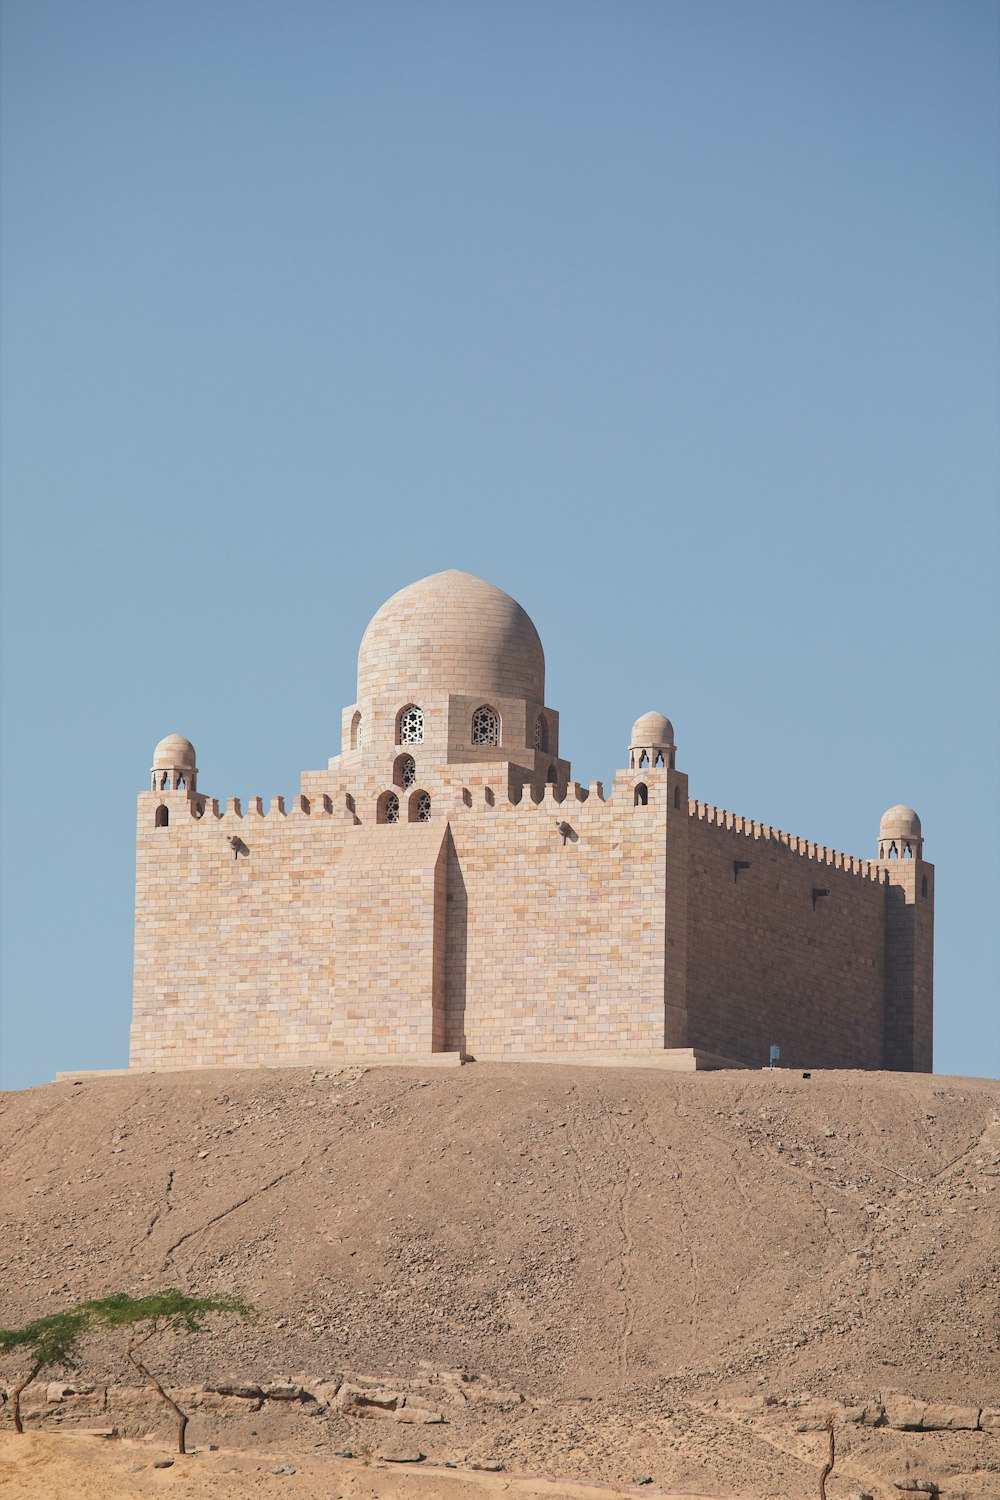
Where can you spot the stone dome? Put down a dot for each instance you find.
(451, 633)
(652, 729)
(173, 751)
(899, 823)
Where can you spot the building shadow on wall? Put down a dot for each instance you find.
(456, 952)
(900, 953)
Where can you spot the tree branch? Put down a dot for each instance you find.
(15, 1395)
(182, 1420)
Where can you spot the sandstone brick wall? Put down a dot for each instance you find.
(498, 926)
(388, 941)
(233, 954)
(767, 964)
(556, 940)
(909, 946)
(512, 927)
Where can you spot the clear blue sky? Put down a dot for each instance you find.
(677, 321)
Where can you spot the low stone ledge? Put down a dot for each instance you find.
(943, 1418)
(903, 1413)
(247, 1390)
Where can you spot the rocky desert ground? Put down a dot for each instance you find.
(527, 1279)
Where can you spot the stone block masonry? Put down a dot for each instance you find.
(444, 887)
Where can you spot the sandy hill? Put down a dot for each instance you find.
(597, 1274)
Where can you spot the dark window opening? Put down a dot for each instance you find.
(162, 816)
(388, 808)
(641, 796)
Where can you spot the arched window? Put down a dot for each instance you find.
(388, 808)
(881, 851)
(410, 725)
(677, 796)
(641, 795)
(643, 760)
(485, 726)
(165, 782)
(181, 783)
(893, 852)
(420, 807)
(907, 852)
(551, 777)
(357, 725)
(162, 816)
(923, 886)
(404, 772)
(542, 734)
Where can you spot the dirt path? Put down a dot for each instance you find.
(43, 1466)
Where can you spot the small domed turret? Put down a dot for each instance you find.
(174, 765)
(652, 742)
(899, 834)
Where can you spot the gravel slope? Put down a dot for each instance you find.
(627, 1262)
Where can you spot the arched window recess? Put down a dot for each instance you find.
(486, 725)
(420, 807)
(162, 816)
(404, 771)
(410, 725)
(387, 810)
(640, 797)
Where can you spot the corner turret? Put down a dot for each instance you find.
(909, 941)
(174, 766)
(899, 834)
(652, 743)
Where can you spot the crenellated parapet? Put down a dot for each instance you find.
(705, 812)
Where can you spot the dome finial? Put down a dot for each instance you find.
(899, 834)
(175, 765)
(652, 742)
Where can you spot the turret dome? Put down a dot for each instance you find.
(899, 834)
(451, 633)
(652, 729)
(899, 823)
(174, 751)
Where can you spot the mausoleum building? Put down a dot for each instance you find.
(444, 890)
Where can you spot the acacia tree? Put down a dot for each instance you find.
(49, 1341)
(142, 1318)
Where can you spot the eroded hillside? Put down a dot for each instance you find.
(622, 1273)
